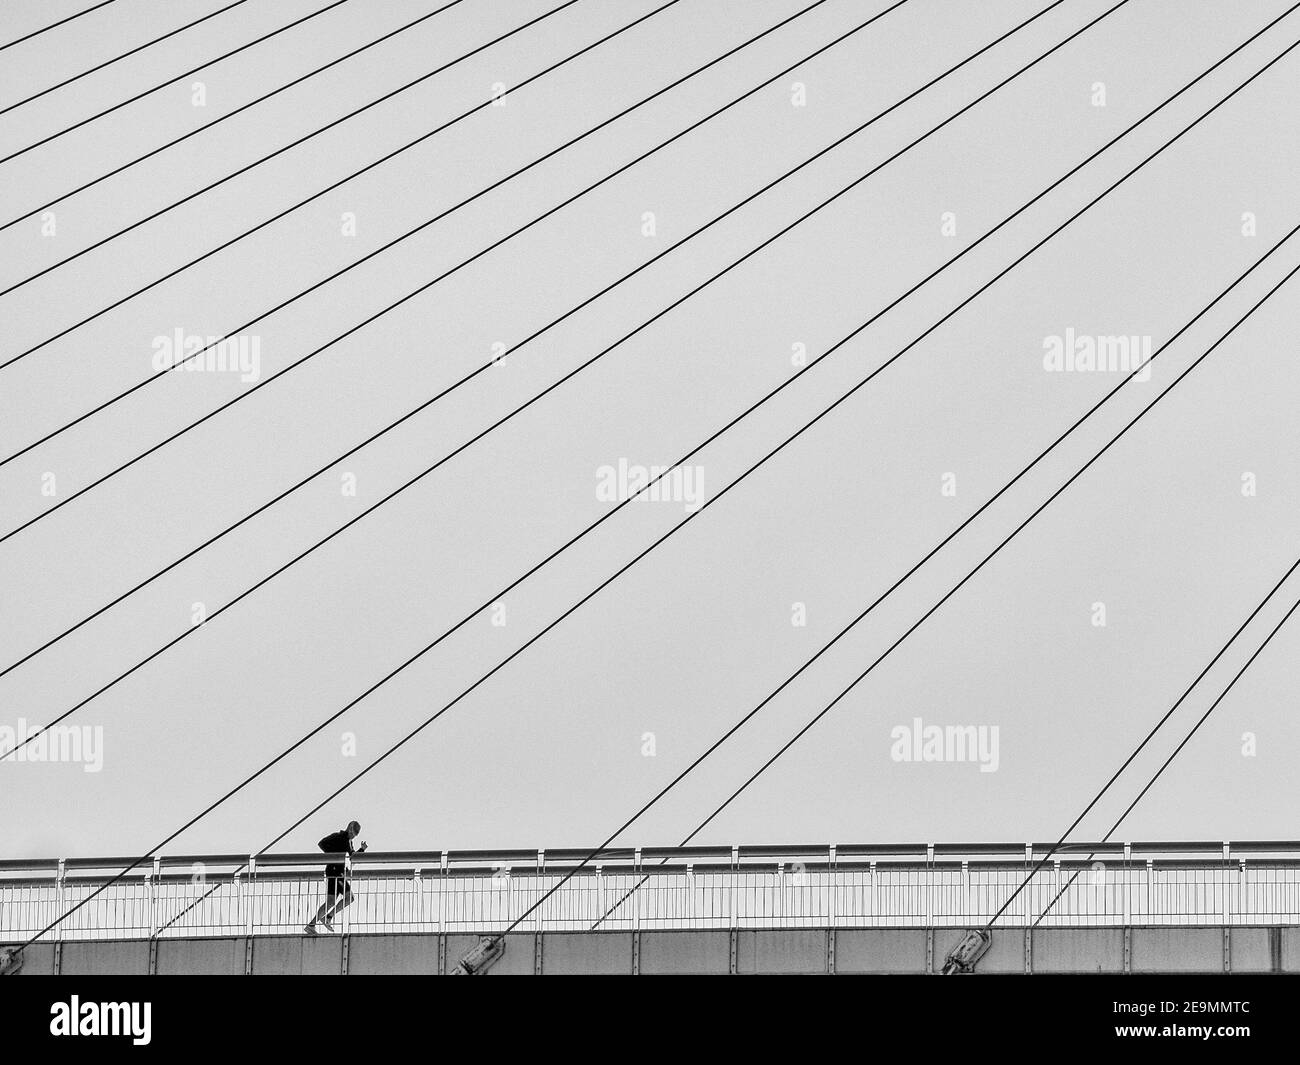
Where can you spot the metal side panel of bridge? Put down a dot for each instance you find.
(737, 951)
(1140, 907)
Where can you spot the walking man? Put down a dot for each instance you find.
(338, 893)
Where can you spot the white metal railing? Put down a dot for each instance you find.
(667, 888)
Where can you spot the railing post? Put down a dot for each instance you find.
(237, 893)
(510, 894)
(151, 879)
(1151, 876)
(873, 903)
(243, 900)
(780, 889)
(247, 899)
(735, 887)
(1243, 891)
(636, 895)
(929, 885)
(1056, 876)
(967, 907)
(347, 886)
(1227, 905)
(690, 893)
(61, 892)
(832, 878)
(1029, 866)
(541, 889)
(1128, 883)
(442, 893)
(419, 899)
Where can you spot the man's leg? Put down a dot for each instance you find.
(341, 901)
(337, 888)
(331, 897)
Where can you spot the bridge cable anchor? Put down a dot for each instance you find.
(967, 953)
(482, 957)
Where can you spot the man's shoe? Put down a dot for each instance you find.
(310, 928)
(329, 925)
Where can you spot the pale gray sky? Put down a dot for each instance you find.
(549, 752)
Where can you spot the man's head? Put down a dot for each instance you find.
(354, 829)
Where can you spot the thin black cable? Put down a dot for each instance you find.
(378, 314)
(609, 580)
(541, 395)
(933, 551)
(708, 503)
(1130, 759)
(1204, 717)
(1115, 827)
(519, 580)
(280, 151)
(601, 849)
(229, 114)
(416, 410)
(170, 81)
(119, 58)
(56, 25)
(431, 221)
(213, 806)
(911, 629)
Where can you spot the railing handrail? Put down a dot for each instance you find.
(894, 854)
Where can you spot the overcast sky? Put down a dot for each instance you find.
(565, 742)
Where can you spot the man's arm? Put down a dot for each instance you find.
(336, 843)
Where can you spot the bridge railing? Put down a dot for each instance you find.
(896, 885)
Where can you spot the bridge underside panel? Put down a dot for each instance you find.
(1251, 951)
(1078, 950)
(582, 952)
(815, 950)
(38, 960)
(697, 953)
(308, 955)
(201, 957)
(1189, 950)
(1290, 952)
(107, 957)
(404, 955)
(880, 950)
(781, 951)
